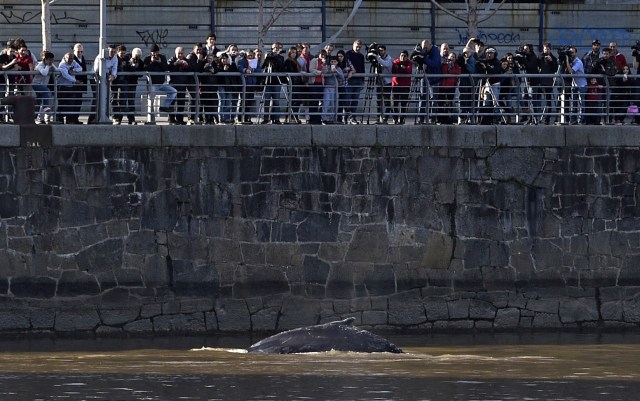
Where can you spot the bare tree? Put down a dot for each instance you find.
(476, 13)
(46, 24)
(279, 7)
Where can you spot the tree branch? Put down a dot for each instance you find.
(275, 15)
(493, 13)
(447, 11)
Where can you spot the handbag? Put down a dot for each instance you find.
(632, 109)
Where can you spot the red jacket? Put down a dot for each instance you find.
(398, 68)
(450, 82)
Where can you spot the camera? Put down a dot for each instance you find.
(636, 49)
(372, 52)
(563, 53)
(416, 55)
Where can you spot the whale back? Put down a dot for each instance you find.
(339, 335)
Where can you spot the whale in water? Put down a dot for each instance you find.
(340, 335)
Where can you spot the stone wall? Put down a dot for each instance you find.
(165, 229)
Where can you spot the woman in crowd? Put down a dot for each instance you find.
(40, 84)
(248, 66)
(348, 70)
(400, 86)
(67, 81)
(292, 66)
(209, 89)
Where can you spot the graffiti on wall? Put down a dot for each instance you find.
(56, 18)
(584, 36)
(490, 37)
(154, 37)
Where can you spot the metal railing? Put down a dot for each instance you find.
(226, 98)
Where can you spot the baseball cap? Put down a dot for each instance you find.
(595, 42)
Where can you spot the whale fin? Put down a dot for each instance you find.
(346, 322)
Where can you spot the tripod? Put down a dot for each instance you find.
(370, 92)
(416, 90)
(486, 89)
(544, 116)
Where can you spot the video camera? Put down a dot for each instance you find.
(563, 53)
(372, 52)
(416, 55)
(636, 49)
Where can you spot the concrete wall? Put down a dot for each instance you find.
(170, 24)
(167, 229)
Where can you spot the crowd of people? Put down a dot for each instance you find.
(210, 85)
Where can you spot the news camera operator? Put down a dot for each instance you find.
(427, 58)
(273, 64)
(491, 86)
(548, 64)
(382, 64)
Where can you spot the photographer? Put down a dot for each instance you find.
(548, 64)
(273, 65)
(428, 59)
(607, 67)
(579, 89)
(467, 62)
(382, 62)
(157, 63)
(592, 57)
(491, 86)
(401, 85)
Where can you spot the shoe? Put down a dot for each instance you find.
(264, 122)
(39, 121)
(353, 121)
(116, 122)
(277, 122)
(191, 122)
(165, 109)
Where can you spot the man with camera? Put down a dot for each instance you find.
(427, 59)
(579, 87)
(491, 86)
(157, 65)
(382, 64)
(548, 65)
(592, 57)
(273, 65)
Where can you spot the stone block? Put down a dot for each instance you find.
(546, 321)
(81, 320)
(369, 244)
(198, 135)
(596, 136)
(436, 309)
(507, 318)
(139, 326)
(406, 309)
(534, 136)
(232, 315)
(343, 135)
(374, 318)
(273, 136)
(265, 319)
(118, 317)
(191, 323)
(9, 136)
(14, 320)
(107, 135)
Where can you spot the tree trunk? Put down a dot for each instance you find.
(46, 25)
(261, 32)
(472, 21)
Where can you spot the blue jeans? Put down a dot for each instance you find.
(578, 97)
(43, 95)
(352, 94)
(272, 102)
(168, 90)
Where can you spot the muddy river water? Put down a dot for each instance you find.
(433, 367)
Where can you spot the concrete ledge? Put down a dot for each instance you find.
(343, 135)
(9, 136)
(411, 135)
(107, 135)
(463, 136)
(603, 135)
(273, 135)
(198, 135)
(531, 135)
